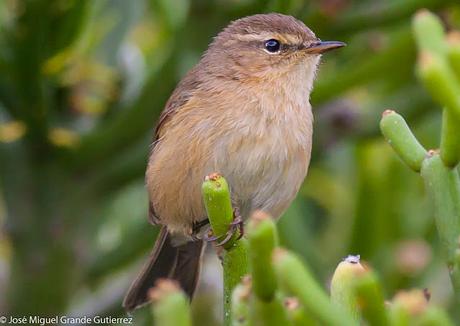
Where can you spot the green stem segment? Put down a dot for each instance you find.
(263, 239)
(443, 185)
(267, 306)
(216, 196)
(399, 136)
(170, 305)
(240, 304)
(369, 295)
(412, 308)
(342, 286)
(297, 313)
(435, 316)
(406, 307)
(235, 266)
(440, 81)
(439, 69)
(450, 139)
(269, 313)
(398, 315)
(295, 278)
(429, 32)
(453, 52)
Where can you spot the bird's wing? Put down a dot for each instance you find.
(181, 95)
(179, 98)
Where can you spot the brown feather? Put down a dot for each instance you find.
(181, 263)
(183, 92)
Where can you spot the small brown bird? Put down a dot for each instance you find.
(242, 111)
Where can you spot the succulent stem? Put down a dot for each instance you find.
(170, 305)
(216, 196)
(443, 185)
(295, 278)
(263, 239)
(399, 136)
(342, 289)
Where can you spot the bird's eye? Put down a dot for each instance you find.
(272, 46)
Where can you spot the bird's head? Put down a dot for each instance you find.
(266, 46)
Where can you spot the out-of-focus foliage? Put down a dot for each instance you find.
(436, 68)
(81, 85)
(280, 290)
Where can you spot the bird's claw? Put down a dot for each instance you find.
(209, 237)
(237, 225)
(228, 236)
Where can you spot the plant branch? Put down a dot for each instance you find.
(297, 279)
(400, 137)
(443, 185)
(216, 196)
(170, 305)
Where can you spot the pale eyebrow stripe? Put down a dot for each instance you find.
(284, 38)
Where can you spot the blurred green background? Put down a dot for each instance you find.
(81, 85)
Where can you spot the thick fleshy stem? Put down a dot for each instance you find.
(438, 67)
(412, 308)
(443, 185)
(435, 316)
(396, 131)
(450, 139)
(297, 313)
(439, 79)
(406, 306)
(263, 238)
(342, 284)
(370, 298)
(170, 304)
(216, 197)
(269, 313)
(429, 32)
(267, 305)
(241, 304)
(296, 279)
(453, 51)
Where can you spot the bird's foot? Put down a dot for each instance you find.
(236, 226)
(197, 229)
(238, 223)
(209, 237)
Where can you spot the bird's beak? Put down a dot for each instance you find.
(323, 46)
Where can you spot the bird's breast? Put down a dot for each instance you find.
(265, 155)
(259, 141)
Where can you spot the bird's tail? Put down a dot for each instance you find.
(180, 263)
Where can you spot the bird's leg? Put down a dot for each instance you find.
(237, 225)
(198, 225)
(196, 230)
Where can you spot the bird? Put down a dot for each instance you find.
(243, 111)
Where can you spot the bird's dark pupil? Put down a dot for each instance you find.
(272, 45)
